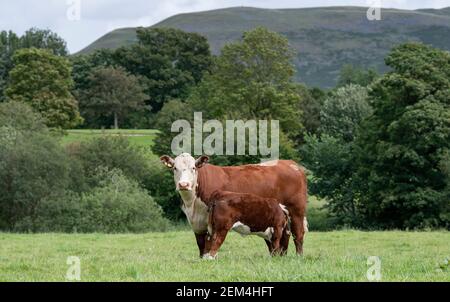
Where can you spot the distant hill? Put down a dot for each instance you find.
(325, 38)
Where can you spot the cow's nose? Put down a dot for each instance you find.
(183, 185)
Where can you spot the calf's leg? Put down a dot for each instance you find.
(276, 237)
(217, 238)
(269, 245)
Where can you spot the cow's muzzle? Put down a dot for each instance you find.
(184, 186)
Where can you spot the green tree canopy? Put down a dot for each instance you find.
(406, 142)
(112, 92)
(44, 39)
(395, 173)
(170, 60)
(253, 79)
(343, 111)
(44, 81)
(311, 102)
(37, 38)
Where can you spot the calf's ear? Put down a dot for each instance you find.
(201, 161)
(167, 161)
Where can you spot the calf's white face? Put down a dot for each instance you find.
(184, 169)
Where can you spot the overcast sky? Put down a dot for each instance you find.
(97, 17)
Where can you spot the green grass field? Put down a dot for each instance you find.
(331, 256)
(142, 138)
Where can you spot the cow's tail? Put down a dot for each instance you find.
(211, 208)
(305, 224)
(288, 217)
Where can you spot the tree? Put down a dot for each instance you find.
(395, 173)
(171, 61)
(10, 43)
(353, 75)
(83, 65)
(44, 39)
(253, 79)
(404, 145)
(172, 111)
(311, 102)
(343, 111)
(112, 92)
(332, 162)
(43, 80)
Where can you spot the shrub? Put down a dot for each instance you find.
(20, 116)
(116, 205)
(112, 152)
(33, 167)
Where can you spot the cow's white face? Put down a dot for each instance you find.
(184, 169)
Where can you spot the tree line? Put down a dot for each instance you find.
(376, 146)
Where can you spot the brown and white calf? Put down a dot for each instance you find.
(246, 214)
(196, 180)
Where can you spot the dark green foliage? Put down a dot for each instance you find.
(21, 117)
(394, 173)
(254, 79)
(44, 39)
(172, 111)
(343, 111)
(168, 63)
(332, 164)
(170, 60)
(33, 167)
(112, 152)
(9, 43)
(311, 102)
(43, 80)
(112, 93)
(33, 38)
(96, 186)
(116, 205)
(405, 143)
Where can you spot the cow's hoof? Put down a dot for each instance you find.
(209, 257)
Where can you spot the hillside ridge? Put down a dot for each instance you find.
(324, 38)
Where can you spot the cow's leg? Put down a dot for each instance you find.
(284, 242)
(216, 242)
(201, 243)
(298, 231)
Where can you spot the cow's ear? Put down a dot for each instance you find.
(201, 161)
(167, 161)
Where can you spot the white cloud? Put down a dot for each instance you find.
(101, 16)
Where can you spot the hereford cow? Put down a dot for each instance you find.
(196, 180)
(246, 214)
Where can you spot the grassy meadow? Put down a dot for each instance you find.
(172, 256)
